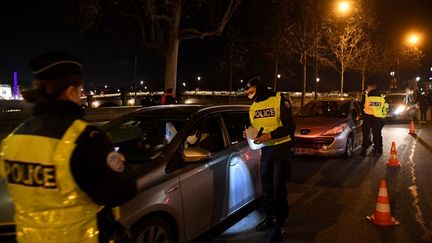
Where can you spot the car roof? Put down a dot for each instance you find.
(185, 110)
(396, 94)
(334, 99)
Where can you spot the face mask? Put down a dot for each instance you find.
(252, 96)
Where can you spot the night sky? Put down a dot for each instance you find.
(32, 27)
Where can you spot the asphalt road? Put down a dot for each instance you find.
(330, 198)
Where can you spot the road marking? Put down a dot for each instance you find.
(413, 189)
(426, 145)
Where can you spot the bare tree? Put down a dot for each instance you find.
(234, 55)
(297, 35)
(349, 38)
(156, 24)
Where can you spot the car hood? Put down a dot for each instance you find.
(307, 126)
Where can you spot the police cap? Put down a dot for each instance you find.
(371, 83)
(53, 65)
(252, 82)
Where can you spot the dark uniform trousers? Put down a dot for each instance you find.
(376, 124)
(275, 171)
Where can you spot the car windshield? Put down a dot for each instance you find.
(395, 99)
(325, 109)
(141, 139)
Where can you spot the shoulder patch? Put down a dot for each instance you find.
(115, 161)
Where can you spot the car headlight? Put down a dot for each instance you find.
(399, 109)
(335, 130)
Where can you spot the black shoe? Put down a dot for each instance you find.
(266, 224)
(277, 234)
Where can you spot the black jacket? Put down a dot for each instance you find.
(89, 159)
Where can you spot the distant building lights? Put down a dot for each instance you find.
(15, 86)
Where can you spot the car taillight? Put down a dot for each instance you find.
(335, 130)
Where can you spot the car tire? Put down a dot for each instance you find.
(349, 147)
(153, 230)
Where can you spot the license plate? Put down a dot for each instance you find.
(303, 150)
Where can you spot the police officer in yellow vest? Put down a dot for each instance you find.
(375, 111)
(272, 112)
(60, 170)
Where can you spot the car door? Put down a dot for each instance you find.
(204, 185)
(243, 170)
(357, 123)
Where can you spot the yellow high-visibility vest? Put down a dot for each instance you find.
(49, 205)
(266, 114)
(375, 106)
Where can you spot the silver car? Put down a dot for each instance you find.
(194, 169)
(328, 127)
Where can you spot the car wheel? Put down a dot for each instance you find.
(153, 230)
(349, 147)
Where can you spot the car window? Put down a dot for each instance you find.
(141, 139)
(235, 124)
(396, 99)
(207, 135)
(325, 109)
(357, 107)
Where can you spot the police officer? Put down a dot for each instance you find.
(59, 169)
(272, 112)
(375, 111)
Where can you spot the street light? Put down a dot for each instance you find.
(198, 78)
(418, 78)
(413, 39)
(316, 87)
(184, 84)
(278, 76)
(343, 7)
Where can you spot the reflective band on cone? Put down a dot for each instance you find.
(382, 215)
(393, 160)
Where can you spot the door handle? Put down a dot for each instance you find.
(169, 190)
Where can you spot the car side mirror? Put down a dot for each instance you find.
(191, 155)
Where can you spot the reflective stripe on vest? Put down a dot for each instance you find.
(266, 114)
(375, 106)
(49, 206)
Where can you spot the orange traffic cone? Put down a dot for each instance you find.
(382, 215)
(412, 130)
(393, 160)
